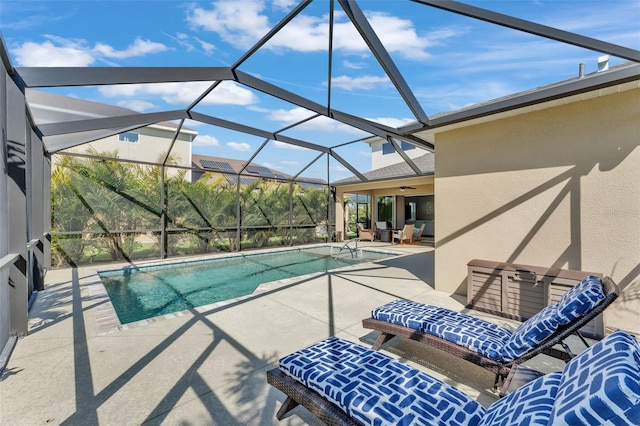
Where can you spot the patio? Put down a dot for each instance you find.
(209, 367)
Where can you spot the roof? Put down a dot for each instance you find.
(60, 105)
(425, 163)
(231, 168)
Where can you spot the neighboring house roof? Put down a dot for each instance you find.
(231, 168)
(395, 171)
(46, 107)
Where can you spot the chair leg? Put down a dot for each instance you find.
(288, 405)
(495, 383)
(381, 340)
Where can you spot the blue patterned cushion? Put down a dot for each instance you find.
(473, 333)
(601, 385)
(375, 389)
(531, 332)
(580, 299)
(529, 405)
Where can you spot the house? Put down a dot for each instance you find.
(554, 183)
(248, 172)
(148, 144)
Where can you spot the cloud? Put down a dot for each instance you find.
(392, 121)
(137, 105)
(238, 23)
(46, 54)
(189, 43)
(354, 65)
(454, 97)
(139, 47)
(206, 140)
(64, 52)
(227, 93)
(365, 82)
(284, 4)
(242, 24)
(320, 123)
(239, 146)
(284, 145)
(207, 47)
(310, 34)
(290, 116)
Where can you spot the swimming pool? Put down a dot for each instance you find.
(139, 293)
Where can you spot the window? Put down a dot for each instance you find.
(387, 148)
(129, 137)
(406, 146)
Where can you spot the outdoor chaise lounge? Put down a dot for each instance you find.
(487, 344)
(343, 383)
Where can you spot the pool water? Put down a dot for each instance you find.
(139, 293)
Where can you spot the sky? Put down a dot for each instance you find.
(449, 61)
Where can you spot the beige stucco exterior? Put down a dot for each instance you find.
(153, 144)
(554, 185)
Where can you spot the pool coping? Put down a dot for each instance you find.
(106, 318)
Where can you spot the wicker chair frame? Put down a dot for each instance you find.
(299, 394)
(501, 369)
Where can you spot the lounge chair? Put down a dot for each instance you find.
(489, 345)
(405, 234)
(365, 233)
(343, 383)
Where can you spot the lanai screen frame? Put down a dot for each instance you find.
(38, 77)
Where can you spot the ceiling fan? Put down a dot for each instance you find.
(402, 188)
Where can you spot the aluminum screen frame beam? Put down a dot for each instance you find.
(534, 28)
(284, 21)
(113, 122)
(352, 169)
(372, 40)
(254, 131)
(35, 77)
(379, 130)
(357, 122)
(404, 156)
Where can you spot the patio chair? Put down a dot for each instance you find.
(343, 383)
(380, 226)
(487, 344)
(405, 234)
(365, 233)
(417, 233)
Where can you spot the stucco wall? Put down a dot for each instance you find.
(152, 144)
(555, 187)
(152, 147)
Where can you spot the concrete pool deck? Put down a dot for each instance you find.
(208, 366)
